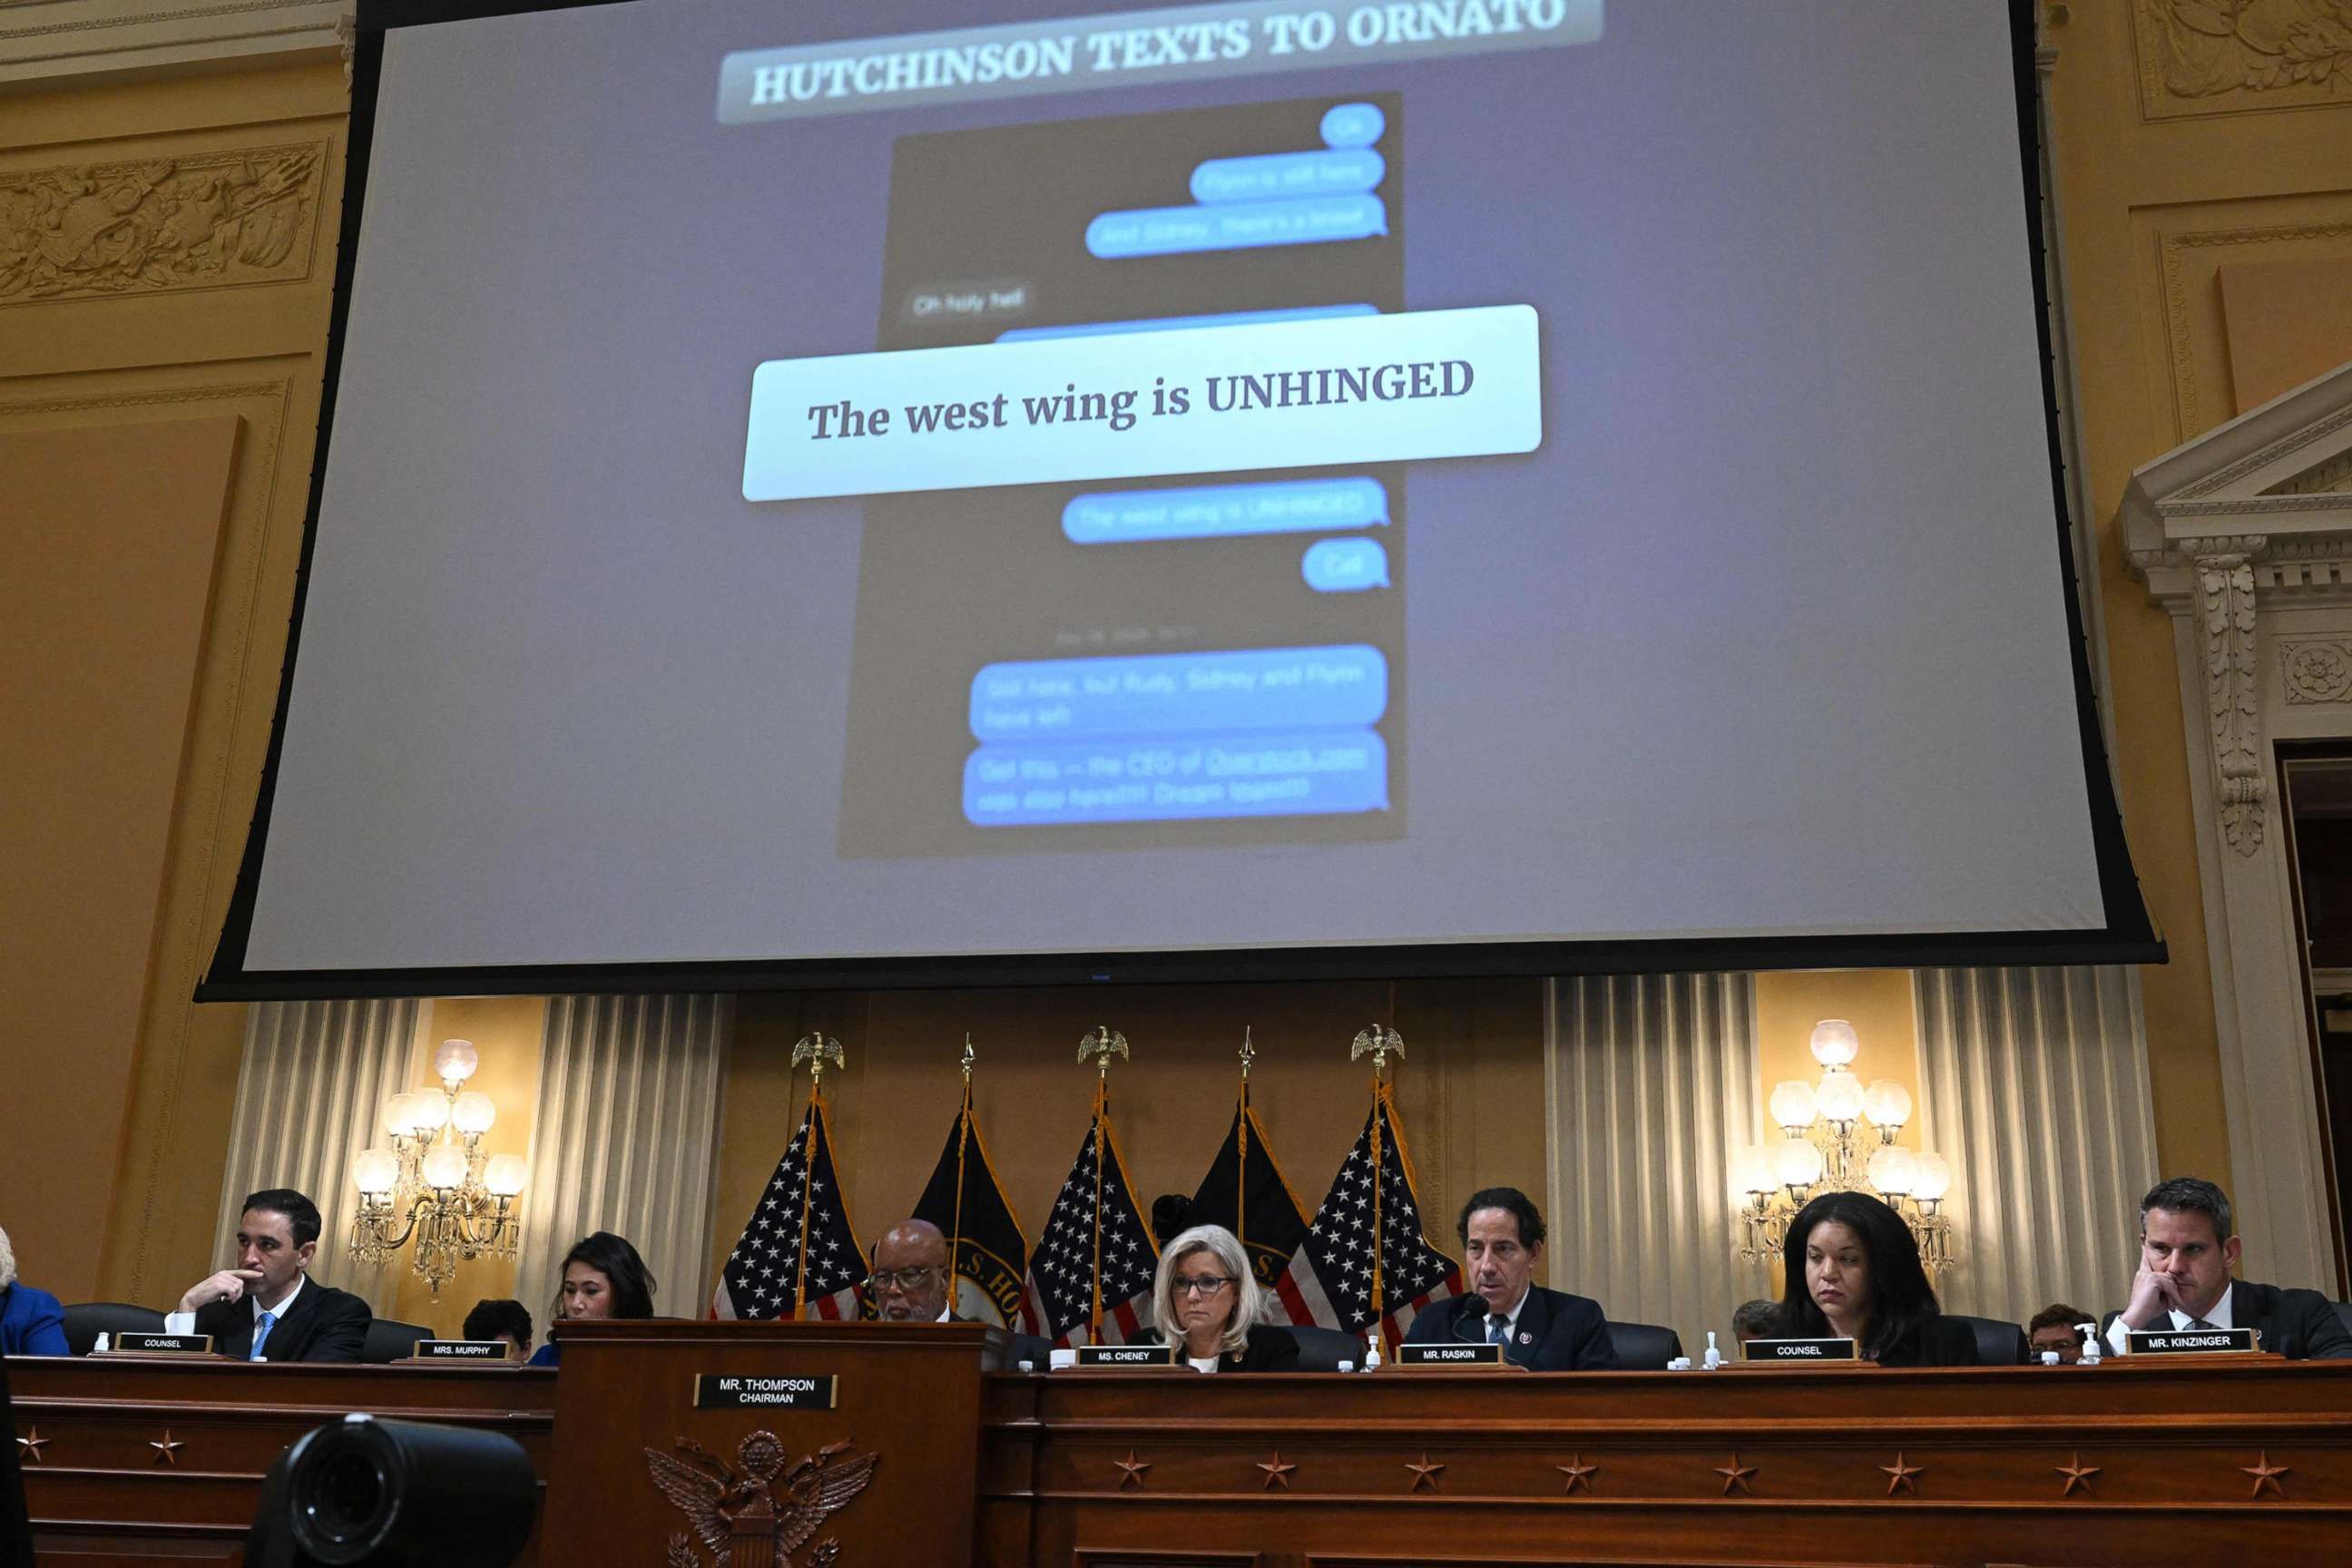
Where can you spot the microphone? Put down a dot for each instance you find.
(1466, 1328)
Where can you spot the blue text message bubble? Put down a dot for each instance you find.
(1185, 323)
(1271, 175)
(1169, 694)
(1211, 511)
(1240, 225)
(1313, 773)
(1353, 125)
(1345, 565)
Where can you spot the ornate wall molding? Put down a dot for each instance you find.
(205, 220)
(2183, 246)
(2316, 669)
(2237, 56)
(47, 40)
(2202, 527)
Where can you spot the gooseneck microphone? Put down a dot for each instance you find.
(1470, 1327)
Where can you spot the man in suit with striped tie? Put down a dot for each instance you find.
(2189, 1244)
(268, 1308)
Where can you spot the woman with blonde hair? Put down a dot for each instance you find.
(1205, 1302)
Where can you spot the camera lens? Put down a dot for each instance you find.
(349, 1498)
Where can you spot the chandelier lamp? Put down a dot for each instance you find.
(1838, 1135)
(433, 1190)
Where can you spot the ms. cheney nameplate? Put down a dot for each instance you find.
(1786, 1353)
(1126, 1356)
(734, 1392)
(2194, 1341)
(1449, 1355)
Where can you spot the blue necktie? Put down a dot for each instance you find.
(262, 1324)
(1497, 1330)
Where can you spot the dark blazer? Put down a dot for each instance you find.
(1556, 1332)
(31, 1323)
(1936, 1342)
(2298, 1324)
(324, 1324)
(1270, 1349)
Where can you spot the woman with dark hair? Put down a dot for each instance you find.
(603, 1277)
(1852, 1272)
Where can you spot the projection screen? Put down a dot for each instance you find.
(812, 496)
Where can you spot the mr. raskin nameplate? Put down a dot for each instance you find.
(1449, 1355)
(164, 1344)
(713, 1392)
(1126, 1356)
(1788, 1352)
(458, 1350)
(2194, 1341)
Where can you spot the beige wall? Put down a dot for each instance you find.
(2205, 236)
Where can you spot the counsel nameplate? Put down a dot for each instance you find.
(736, 1391)
(2194, 1341)
(1126, 1356)
(458, 1350)
(162, 1344)
(1784, 1352)
(1449, 1355)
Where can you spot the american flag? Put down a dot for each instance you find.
(758, 1281)
(1330, 1280)
(1058, 1294)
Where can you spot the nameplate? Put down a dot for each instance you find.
(1126, 1356)
(162, 1344)
(2194, 1341)
(1449, 1355)
(458, 1350)
(712, 1392)
(1784, 1352)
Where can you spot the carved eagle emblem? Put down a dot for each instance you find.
(726, 1504)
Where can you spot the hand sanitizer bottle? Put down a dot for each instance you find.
(2094, 1343)
(1714, 1356)
(1373, 1353)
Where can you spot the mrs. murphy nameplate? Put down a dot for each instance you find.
(1126, 1356)
(1791, 1353)
(713, 1392)
(2194, 1341)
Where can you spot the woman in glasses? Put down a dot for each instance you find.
(1206, 1301)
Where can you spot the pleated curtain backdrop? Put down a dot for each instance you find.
(314, 1082)
(2035, 1086)
(1652, 1080)
(626, 1139)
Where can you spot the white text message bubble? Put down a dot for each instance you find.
(1389, 388)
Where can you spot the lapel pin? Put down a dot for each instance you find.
(1526, 1337)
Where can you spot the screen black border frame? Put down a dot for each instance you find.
(2131, 939)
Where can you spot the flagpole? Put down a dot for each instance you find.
(1379, 1040)
(1240, 1160)
(963, 1137)
(815, 1050)
(1100, 1045)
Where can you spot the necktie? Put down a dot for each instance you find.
(1497, 1330)
(262, 1324)
(2198, 1323)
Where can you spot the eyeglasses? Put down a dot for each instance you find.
(904, 1278)
(1200, 1285)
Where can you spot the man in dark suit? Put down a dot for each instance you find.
(2189, 1244)
(911, 1283)
(268, 1308)
(1544, 1331)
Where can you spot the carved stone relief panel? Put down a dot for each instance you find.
(2236, 57)
(2316, 669)
(193, 221)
